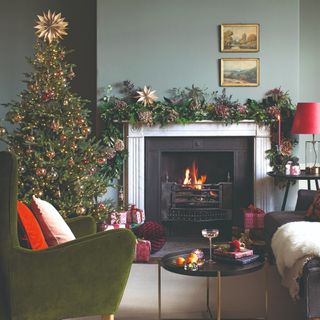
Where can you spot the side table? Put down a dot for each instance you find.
(289, 178)
(217, 270)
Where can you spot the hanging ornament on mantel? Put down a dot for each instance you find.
(51, 26)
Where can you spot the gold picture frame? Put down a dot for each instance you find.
(240, 72)
(240, 37)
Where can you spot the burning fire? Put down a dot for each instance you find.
(191, 177)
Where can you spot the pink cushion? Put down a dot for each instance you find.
(54, 228)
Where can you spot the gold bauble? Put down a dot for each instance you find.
(73, 147)
(50, 154)
(30, 138)
(38, 193)
(80, 210)
(85, 131)
(3, 131)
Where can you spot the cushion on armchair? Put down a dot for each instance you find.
(30, 227)
(55, 229)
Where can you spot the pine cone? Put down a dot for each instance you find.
(194, 105)
(120, 105)
(172, 116)
(286, 148)
(119, 145)
(146, 118)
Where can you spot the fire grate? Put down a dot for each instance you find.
(196, 203)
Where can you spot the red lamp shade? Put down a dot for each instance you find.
(307, 118)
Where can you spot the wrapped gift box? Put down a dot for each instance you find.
(253, 218)
(135, 215)
(118, 217)
(105, 226)
(143, 250)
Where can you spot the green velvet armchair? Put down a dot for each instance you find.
(83, 277)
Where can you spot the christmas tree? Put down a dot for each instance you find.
(58, 161)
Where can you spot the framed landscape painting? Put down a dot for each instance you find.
(239, 72)
(240, 37)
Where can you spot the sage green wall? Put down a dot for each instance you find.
(175, 43)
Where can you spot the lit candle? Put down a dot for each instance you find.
(279, 130)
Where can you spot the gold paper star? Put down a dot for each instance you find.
(146, 96)
(51, 26)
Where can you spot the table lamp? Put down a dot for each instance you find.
(307, 121)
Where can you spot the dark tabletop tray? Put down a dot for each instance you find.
(209, 270)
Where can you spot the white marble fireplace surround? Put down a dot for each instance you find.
(263, 185)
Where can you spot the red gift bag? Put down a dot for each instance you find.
(253, 217)
(143, 250)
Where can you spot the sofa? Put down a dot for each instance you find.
(310, 280)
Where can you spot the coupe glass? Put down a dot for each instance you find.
(210, 233)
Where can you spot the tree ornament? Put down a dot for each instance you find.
(71, 74)
(80, 211)
(38, 193)
(119, 145)
(50, 154)
(55, 125)
(51, 26)
(63, 138)
(30, 138)
(80, 120)
(85, 161)
(73, 147)
(146, 96)
(57, 194)
(102, 160)
(85, 131)
(53, 175)
(3, 131)
(29, 151)
(22, 169)
(79, 137)
(92, 170)
(41, 172)
(71, 162)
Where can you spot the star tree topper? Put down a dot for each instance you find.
(51, 26)
(147, 96)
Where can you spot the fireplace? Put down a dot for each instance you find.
(233, 154)
(192, 183)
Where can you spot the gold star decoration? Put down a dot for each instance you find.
(146, 96)
(51, 26)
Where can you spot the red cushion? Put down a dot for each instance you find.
(31, 226)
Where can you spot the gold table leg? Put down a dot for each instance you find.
(219, 296)
(159, 290)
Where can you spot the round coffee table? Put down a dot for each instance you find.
(214, 270)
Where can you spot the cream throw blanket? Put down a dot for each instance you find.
(294, 244)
